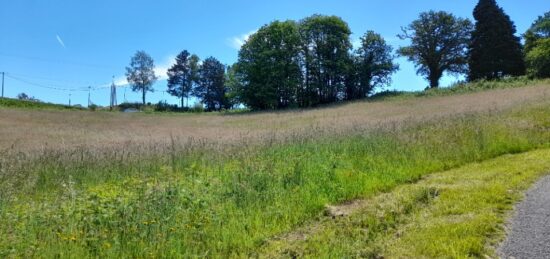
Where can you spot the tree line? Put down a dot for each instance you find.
(312, 61)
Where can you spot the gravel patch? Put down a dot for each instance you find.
(529, 234)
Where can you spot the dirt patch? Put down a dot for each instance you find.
(345, 209)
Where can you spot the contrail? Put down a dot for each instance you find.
(60, 41)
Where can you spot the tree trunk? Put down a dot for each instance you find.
(434, 77)
(182, 101)
(434, 83)
(143, 96)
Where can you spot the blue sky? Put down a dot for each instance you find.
(50, 49)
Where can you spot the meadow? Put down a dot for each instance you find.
(99, 184)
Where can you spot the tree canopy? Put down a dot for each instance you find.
(495, 51)
(439, 42)
(537, 47)
(311, 62)
(307, 63)
(372, 66)
(269, 66)
(141, 74)
(210, 87)
(540, 29)
(182, 75)
(325, 47)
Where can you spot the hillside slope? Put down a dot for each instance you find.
(33, 129)
(136, 185)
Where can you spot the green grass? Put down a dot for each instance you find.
(231, 202)
(461, 88)
(14, 103)
(454, 214)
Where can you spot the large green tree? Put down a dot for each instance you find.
(540, 29)
(141, 73)
(537, 47)
(182, 76)
(371, 67)
(269, 66)
(210, 87)
(326, 55)
(439, 42)
(538, 59)
(495, 51)
(234, 85)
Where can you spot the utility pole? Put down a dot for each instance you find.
(89, 97)
(113, 94)
(3, 73)
(69, 99)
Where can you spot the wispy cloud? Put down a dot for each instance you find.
(60, 41)
(237, 42)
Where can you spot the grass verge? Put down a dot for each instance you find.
(454, 214)
(25, 104)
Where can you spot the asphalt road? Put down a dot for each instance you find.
(529, 235)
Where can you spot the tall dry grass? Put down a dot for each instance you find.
(51, 129)
(138, 185)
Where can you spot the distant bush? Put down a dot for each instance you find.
(124, 106)
(387, 94)
(161, 106)
(25, 97)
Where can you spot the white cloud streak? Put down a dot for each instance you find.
(238, 41)
(60, 41)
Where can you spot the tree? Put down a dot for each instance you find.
(269, 66)
(234, 85)
(540, 29)
(537, 47)
(372, 66)
(494, 51)
(182, 75)
(210, 87)
(325, 50)
(439, 42)
(538, 59)
(140, 74)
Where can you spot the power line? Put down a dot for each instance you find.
(47, 79)
(57, 87)
(45, 86)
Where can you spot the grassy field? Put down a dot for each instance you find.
(453, 214)
(83, 184)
